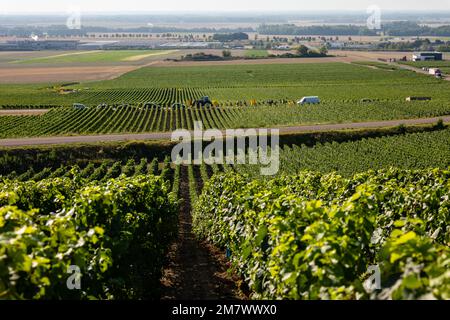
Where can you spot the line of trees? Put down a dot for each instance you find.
(62, 30)
(230, 37)
(291, 29)
(419, 44)
(400, 28)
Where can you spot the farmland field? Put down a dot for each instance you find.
(307, 197)
(333, 81)
(256, 53)
(341, 87)
(95, 56)
(444, 66)
(310, 232)
(375, 64)
(259, 75)
(429, 64)
(349, 158)
(61, 121)
(313, 236)
(115, 228)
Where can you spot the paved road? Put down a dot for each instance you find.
(167, 135)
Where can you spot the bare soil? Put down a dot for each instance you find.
(351, 56)
(196, 270)
(23, 112)
(45, 74)
(58, 74)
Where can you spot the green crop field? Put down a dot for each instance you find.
(374, 64)
(256, 53)
(95, 57)
(428, 64)
(341, 87)
(259, 75)
(141, 118)
(160, 96)
(313, 236)
(125, 210)
(349, 158)
(329, 80)
(312, 231)
(108, 230)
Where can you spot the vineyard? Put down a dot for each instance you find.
(124, 119)
(158, 96)
(156, 99)
(333, 82)
(104, 228)
(150, 118)
(312, 236)
(129, 219)
(349, 158)
(272, 229)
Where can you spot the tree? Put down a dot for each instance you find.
(323, 50)
(226, 54)
(303, 50)
(444, 48)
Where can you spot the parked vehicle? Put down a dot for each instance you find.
(79, 106)
(434, 71)
(309, 100)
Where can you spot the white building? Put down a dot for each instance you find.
(426, 56)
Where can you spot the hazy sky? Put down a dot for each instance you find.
(39, 6)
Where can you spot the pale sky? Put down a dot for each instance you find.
(61, 6)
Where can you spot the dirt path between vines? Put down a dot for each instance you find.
(195, 270)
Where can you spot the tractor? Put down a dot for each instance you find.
(202, 102)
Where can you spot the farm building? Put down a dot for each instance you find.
(426, 56)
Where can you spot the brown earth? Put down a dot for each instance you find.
(23, 112)
(196, 270)
(57, 74)
(369, 55)
(47, 74)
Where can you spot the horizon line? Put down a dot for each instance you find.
(199, 12)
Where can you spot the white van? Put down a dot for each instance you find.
(79, 106)
(312, 100)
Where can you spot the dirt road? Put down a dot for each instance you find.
(195, 270)
(16, 142)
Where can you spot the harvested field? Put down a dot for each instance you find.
(351, 56)
(152, 54)
(40, 74)
(96, 56)
(23, 112)
(59, 74)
